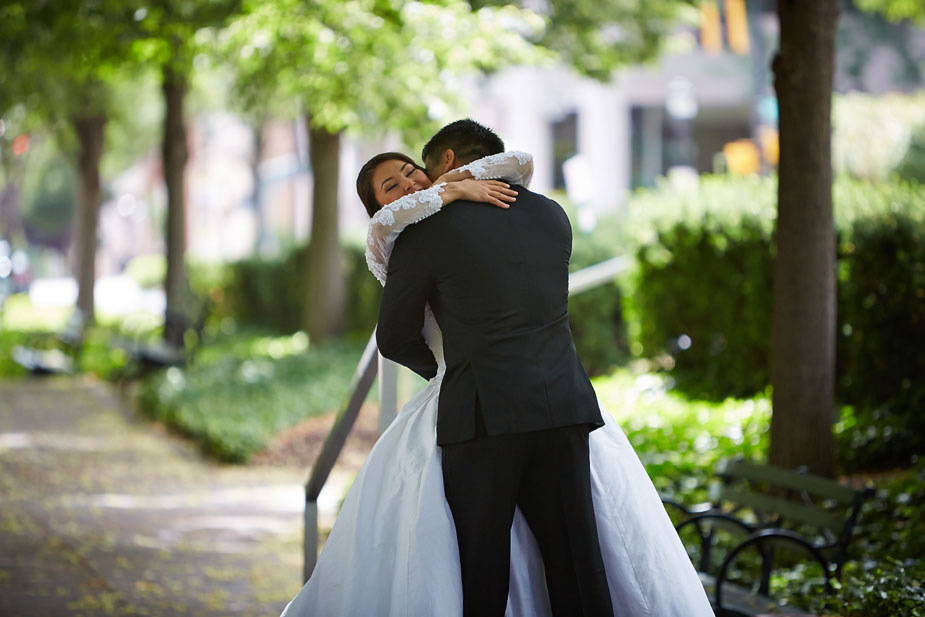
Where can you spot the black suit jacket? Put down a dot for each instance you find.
(497, 281)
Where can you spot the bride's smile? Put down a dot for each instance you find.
(394, 178)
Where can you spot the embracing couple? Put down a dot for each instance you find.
(502, 488)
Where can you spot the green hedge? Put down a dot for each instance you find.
(708, 305)
(881, 343)
(702, 298)
(268, 293)
(596, 315)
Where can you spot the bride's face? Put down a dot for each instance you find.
(395, 178)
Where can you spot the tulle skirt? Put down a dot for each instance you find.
(392, 551)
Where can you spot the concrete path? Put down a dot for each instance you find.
(103, 513)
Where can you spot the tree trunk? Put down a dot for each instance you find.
(89, 130)
(175, 155)
(324, 289)
(803, 337)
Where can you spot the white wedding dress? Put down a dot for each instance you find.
(392, 551)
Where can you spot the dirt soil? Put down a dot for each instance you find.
(300, 446)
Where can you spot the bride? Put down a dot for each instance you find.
(393, 549)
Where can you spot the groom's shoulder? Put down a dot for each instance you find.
(420, 232)
(528, 194)
(536, 203)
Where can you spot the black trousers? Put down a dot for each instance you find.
(547, 473)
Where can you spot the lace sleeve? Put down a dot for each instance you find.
(392, 219)
(515, 167)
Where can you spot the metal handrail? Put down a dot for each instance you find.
(596, 275)
(368, 367)
(362, 382)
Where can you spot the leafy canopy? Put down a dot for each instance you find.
(169, 32)
(61, 56)
(365, 64)
(596, 36)
(895, 10)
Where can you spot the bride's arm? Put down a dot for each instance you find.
(388, 223)
(463, 183)
(515, 167)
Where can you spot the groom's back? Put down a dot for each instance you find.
(501, 299)
(503, 269)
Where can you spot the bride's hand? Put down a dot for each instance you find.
(492, 192)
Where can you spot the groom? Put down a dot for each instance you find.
(515, 405)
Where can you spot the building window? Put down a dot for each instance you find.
(564, 145)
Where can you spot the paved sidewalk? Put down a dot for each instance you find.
(103, 513)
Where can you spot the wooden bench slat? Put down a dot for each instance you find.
(723, 523)
(788, 478)
(788, 510)
(738, 598)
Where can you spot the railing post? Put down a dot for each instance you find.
(388, 392)
(310, 546)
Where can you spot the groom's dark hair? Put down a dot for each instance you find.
(468, 140)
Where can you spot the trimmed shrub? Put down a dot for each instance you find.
(363, 293)
(702, 289)
(262, 292)
(881, 362)
(596, 315)
(267, 292)
(702, 297)
(720, 313)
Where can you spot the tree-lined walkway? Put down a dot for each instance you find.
(103, 514)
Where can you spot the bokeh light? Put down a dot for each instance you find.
(20, 145)
(126, 205)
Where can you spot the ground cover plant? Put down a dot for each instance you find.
(680, 441)
(244, 389)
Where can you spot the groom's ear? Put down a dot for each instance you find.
(448, 160)
(439, 165)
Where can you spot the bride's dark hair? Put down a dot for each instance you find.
(365, 188)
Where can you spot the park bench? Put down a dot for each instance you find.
(52, 353)
(145, 355)
(761, 518)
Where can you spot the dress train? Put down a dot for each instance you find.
(393, 552)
